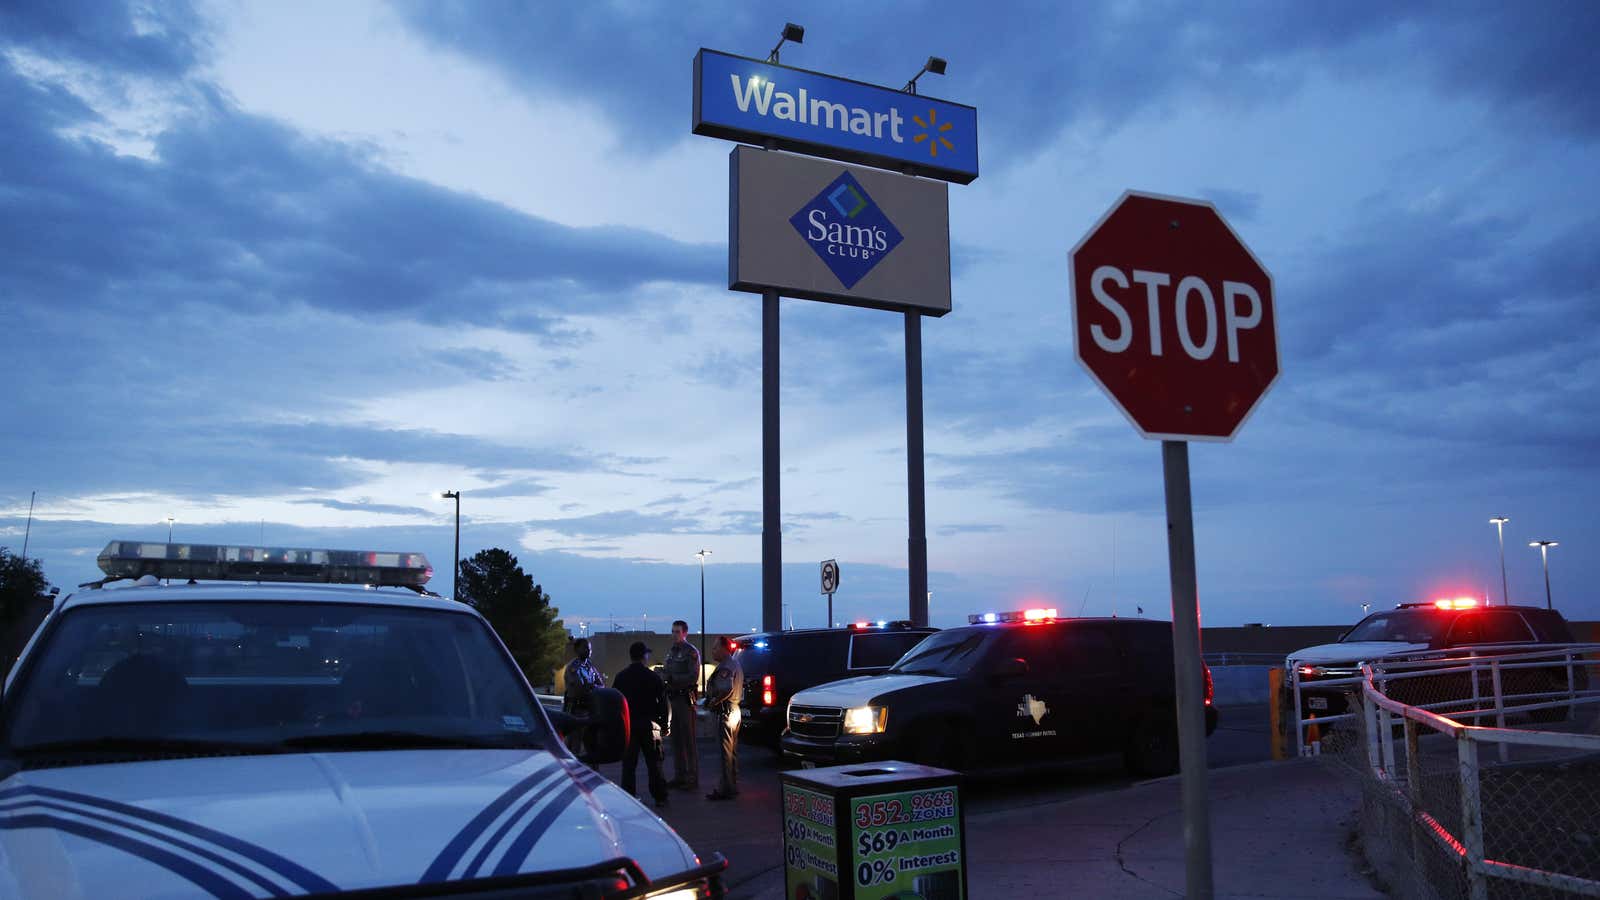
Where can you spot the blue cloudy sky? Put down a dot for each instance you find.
(285, 271)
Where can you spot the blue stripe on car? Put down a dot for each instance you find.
(204, 878)
(556, 780)
(301, 876)
(217, 858)
(440, 868)
(517, 853)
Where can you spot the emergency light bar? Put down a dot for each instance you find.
(132, 559)
(1016, 615)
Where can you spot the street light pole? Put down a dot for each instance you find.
(455, 570)
(1499, 523)
(170, 520)
(1544, 558)
(701, 677)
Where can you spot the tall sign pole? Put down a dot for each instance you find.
(1173, 317)
(771, 471)
(916, 496)
(874, 233)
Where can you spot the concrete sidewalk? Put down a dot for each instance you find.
(1278, 830)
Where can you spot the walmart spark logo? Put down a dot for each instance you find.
(932, 133)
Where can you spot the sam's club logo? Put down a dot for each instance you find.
(846, 229)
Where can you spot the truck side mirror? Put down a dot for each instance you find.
(1011, 668)
(605, 729)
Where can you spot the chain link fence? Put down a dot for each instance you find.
(1480, 775)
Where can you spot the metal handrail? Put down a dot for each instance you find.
(1466, 660)
(1468, 846)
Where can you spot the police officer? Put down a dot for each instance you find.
(581, 680)
(724, 692)
(683, 682)
(647, 713)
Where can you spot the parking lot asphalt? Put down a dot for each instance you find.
(748, 831)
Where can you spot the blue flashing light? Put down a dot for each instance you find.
(882, 623)
(990, 617)
(761, 645)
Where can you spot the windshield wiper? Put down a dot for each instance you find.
(115, 745)
(397, 740)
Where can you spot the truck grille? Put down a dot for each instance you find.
(815, 721)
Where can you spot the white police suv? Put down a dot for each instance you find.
(351, 735)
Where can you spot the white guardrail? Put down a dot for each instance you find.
(1344, 676)
(1460, 836)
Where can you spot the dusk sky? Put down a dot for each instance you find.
(285, 271)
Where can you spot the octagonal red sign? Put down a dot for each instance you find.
(1173, 316)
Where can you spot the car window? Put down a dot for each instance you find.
(1412, 626)
(1489, 627)
(1548, 626)
(1061, 651)
(263, 671)
(879, 650)
(951, 653)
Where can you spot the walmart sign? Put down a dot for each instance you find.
(743, 99)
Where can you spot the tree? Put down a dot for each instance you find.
(22, 599)
(519, 610)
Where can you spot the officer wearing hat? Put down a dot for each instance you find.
(647, 722)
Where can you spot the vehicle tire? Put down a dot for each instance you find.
(942, 745)
(1153, 745)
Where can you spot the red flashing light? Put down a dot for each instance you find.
(1457, 603)
(1038, 615)
(1210, 686)
(862, 625)
(768, 695)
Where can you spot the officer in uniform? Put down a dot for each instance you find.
(683, 683)
(647, 714)
(724, 692)
(581, 679)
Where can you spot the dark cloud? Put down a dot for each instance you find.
(241, 212)
(618, 523)
(522, 487)
(164, 40)
(1038, 67)
(370, 507)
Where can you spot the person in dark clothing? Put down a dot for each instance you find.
(647, 713)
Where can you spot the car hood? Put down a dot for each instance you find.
(254, 826)
(856, 691)
(1353, 651)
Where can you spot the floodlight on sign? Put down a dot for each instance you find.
(214, 562)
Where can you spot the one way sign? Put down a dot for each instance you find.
(830, 576)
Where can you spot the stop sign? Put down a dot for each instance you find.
(1172, 315)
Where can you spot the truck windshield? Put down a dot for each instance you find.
(1423, 626)
(950, 653)
(267, 676)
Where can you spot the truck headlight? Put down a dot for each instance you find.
(865, 719)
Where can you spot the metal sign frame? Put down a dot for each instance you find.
(905, 164)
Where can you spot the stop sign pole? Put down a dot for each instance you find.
(1173, 317)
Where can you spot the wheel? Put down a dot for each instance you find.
(941, 745)
(1153, 745)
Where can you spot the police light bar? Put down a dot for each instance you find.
(132, 559)
(1456, 603)
(881, 623)
(1018, 615)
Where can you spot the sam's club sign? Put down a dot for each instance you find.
(743, 99)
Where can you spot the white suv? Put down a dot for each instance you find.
(245, 740)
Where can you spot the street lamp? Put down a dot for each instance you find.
(170, 520)
(934, 65)
(792, 33)
(703, 554)
(455, 570)
(1499, 523)
(1544, 557)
